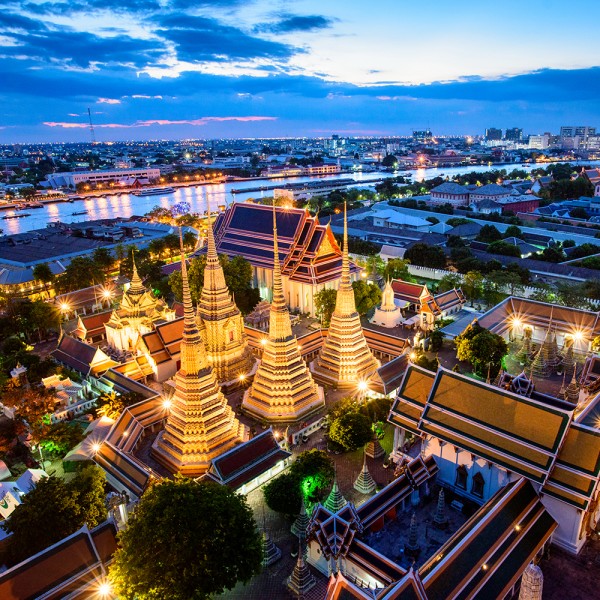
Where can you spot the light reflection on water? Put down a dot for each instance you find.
(127, 205)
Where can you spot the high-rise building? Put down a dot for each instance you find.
(345, 360)
(515, 134)
(493, 134)
(422, 135)
(201, 425)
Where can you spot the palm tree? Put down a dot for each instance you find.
(43, 273)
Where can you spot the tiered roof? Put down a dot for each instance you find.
(247, 461)
(70, 568)
(518, 433)
(308, 251)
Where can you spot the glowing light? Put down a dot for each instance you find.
(412, 355)
(96, 447)
(64, 307)
(264, 341)
(166, 404)
(105, 590)
(363, 386)
(242, 377)
(484, 566)
(516, 322)
(578, 336)
(517, 528)
(107, 294)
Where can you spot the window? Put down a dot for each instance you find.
(478, 485)
(231, 336)
(461, 477)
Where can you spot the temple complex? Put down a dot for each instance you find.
(388, 314)
(200, 425)
(310, 258)
(137, 314)
(283, 389)
(221, 322)
(345, 359)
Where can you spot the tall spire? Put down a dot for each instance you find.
(221, 322)
(345, 360)
(136, 285)
(200, 425)
(280, 326)
(283, 389)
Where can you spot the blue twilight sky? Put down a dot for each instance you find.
(164, 69)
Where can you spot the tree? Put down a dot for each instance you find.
(512, 231)
(489, 234)
(389, 161)
(387, 189)
(504, 249)
(449, 282)
(482, 348)
(325, 305)
(103, 259)
(283, 494)
(397, 268)
(82, 272)
(351, 430)
(59, 438)
(189, 540)
(436, 340)
(53, 510)
(366, 295)
(43, 273)
(314, 471)
(426, 256)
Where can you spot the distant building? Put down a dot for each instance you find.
(450, 193)
(119, 176)
(539, 142)
(493, 134)
(231, 162)
(515, 134)
(422, 135)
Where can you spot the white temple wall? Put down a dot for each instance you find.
(569, 521)
(449, 460)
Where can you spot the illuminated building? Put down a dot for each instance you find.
(345, 359)
(283, 388)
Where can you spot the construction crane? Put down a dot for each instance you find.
(92, 132)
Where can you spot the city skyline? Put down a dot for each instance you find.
(214, 69)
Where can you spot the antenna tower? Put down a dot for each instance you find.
(92, 132)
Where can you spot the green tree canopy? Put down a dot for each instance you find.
(397, 268)
(389, 160)
(55, 509)
(425, 255)
(351, 430)
(188, 541)
(489, 234)
(325, 305)
(43, 273)
(283, 494)
(449, 282)
(482, 348)
(366, 295)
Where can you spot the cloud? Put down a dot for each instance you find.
(295, 23)
(73, 115)
(145, 97)
(160, 122)
(202, 38)
(108, 101)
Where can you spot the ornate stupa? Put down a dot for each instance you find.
(221, 322)
(345, 360)
(572, 390)
(388, 314)
(283, 389)
(138, 311)
(201, 425)
(335, 501)
(365, 484)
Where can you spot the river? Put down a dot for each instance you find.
(126, 205)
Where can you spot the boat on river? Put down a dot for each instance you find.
(154, 191)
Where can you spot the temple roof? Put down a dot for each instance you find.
(486, 556)
(408, 291)
(81, 357)
(308, 251)
(449, 299)
(247, 461)
(89, 326)
(67, 567)
(518, 433)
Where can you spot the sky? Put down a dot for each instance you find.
(172, 69)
